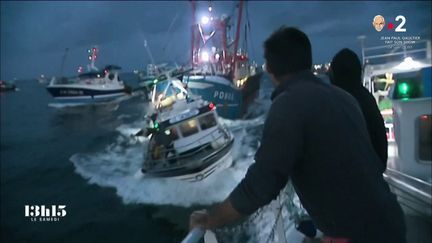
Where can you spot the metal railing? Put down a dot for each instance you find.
(283, 224)
(379, 60)
(194, 235)
(380, 53)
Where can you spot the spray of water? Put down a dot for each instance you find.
(119, 163)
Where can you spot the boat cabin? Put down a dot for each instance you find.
(186, 131)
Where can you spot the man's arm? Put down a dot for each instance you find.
(221, 214)
(281, 146)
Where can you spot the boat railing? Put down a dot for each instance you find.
(194, 236)
(283, 225)
(164, 152)
(380, 60)
(382, 54)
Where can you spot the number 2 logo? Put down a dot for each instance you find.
(400, 27)
(379, 23)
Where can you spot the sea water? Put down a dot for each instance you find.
(84, 158)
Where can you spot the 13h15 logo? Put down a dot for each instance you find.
(44, 213)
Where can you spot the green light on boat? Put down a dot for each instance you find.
(156, 125)
(403, 89)
(155, 81)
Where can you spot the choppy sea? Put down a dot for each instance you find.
(86, 159)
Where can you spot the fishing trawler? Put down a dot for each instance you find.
(89, 87)
(222, 72)
(186, 140)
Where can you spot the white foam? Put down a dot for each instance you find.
(130, 129)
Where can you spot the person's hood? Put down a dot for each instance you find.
(346, 70)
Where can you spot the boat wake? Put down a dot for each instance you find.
(118, 165)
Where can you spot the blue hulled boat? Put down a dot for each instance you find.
(88, 87)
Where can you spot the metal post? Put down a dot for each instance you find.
(194, 236)
(362, 38)
(428, 49)
(63, 61)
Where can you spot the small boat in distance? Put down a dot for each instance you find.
(42, 79)
(186, 140)
(89, 87)
(7, 86)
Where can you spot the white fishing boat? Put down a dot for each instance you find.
(89, 87)
(186, 140)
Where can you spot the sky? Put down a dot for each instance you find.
(34, 35)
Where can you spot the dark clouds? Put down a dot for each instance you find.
(35, 34)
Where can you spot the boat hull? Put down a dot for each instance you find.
(83, 94)
(231, 102)
(193, 172)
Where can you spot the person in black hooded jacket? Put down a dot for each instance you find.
(345, 72)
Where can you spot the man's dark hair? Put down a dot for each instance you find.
(287, 50)
(346, 69)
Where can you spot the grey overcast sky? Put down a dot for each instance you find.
(34, 35)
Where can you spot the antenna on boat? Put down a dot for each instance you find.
(92, 56)
(362, 39)
(237, 36)
(169, 33)
(63, 61)
(148, 51)
(248, 35)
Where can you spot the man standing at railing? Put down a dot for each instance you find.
(316, 136)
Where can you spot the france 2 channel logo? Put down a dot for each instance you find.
(379, 23)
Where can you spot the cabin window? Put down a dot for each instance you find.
(425, 138)
(189, 127)
(207, 121)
